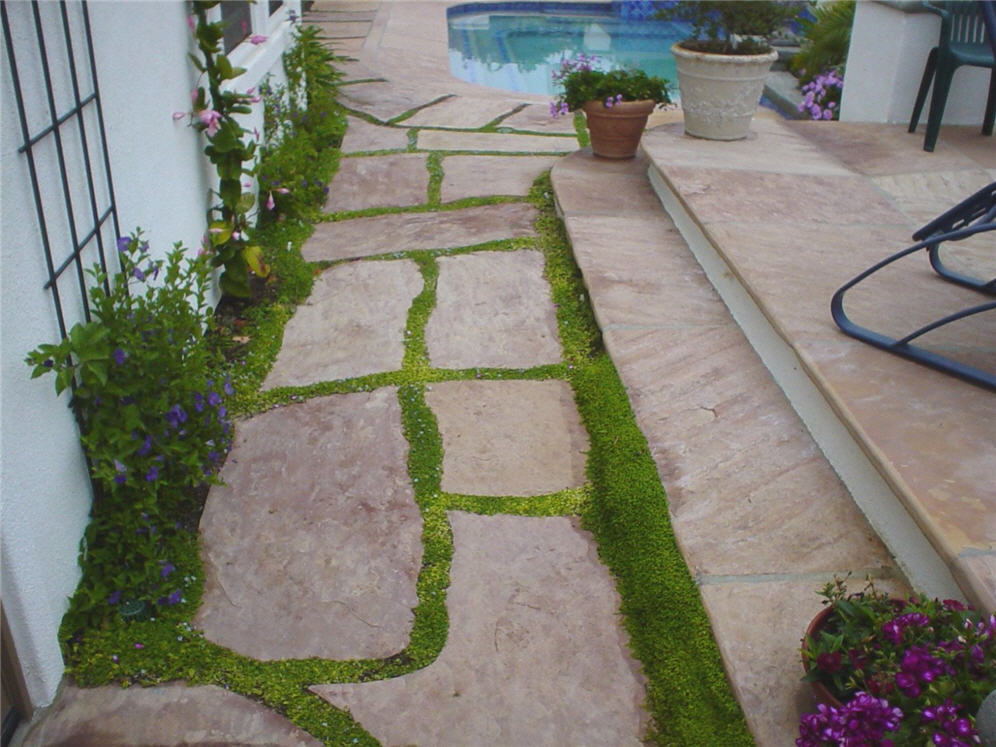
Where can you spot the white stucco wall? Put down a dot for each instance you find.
(889, 46)
(161, 181)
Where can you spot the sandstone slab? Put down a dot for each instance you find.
(396, 180)
(535, 654)
(536, 118)
(494, 142)
(493, 310)
(588, 185)
(460, 111)
(509, 437)
(172, 713)
(363, 136)
(444, 229)
(313, 545)
(485, 176)
(385, 101)
(353, 324)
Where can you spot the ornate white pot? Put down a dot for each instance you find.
(720, 93)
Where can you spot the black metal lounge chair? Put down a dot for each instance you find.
(972, 216)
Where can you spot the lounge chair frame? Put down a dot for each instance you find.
(972, 216)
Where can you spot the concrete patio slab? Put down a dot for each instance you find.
(394, 180)
(460, 112)
(353, 324)
(444, 229)
(603, 187)
(509, 437)
(487, 176)
(363, 136)
(493, 310)
(313, 545)
(494, 142)
(709, 407)
(535, 654)
(173, 713)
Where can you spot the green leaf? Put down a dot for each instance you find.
(220, 231)
(235, 283)
(196, 62)
(245, 203)
(253, 256)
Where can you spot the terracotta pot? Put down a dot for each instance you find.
(616, 131)
(719, 92)
(821, 692)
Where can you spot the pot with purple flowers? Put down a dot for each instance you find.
(616, 103)
(889, 671)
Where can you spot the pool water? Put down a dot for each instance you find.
(516, 46)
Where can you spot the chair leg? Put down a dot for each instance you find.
(942, 84)
(987, 122)
(921, 95)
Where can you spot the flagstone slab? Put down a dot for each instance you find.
(536, 118)
(354, 70)
(313, 545)
(486, 176)
(460, 111)
(353, 324)
(171, 713)
(385, 100)
(444, 229)
(495, 142)
(363, 136)
(509, 437)
(395, 180)
(535, 654)
(341, 29)
(493, 310)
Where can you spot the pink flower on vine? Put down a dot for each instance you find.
(257, 38)
(211, 120)
(270, 204)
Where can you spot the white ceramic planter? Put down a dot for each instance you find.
(720, 93)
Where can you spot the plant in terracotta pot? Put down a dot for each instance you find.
(892, 671)
(616, 103)
(723, 64)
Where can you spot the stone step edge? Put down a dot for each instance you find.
(883, 502)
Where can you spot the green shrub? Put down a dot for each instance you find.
(827, 39)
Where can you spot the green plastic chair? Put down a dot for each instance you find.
(963, 41)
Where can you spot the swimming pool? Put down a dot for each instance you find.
(516, 46)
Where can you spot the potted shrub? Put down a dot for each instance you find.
(896, 671)
(616, 103)
(722, 66)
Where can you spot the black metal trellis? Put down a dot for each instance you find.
(86, 227)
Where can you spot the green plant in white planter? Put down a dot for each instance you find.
(723, 64)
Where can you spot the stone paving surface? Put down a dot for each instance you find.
(383, 234)
(460, 112)
(352, 325)
(313, 545)
(494, 142)
(493, 310)
(509, 437)
(534, 655)
(363, 136)
(505, 175)
(395, 180)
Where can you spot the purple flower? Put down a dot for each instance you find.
(122, 473)
(139, 645)
(175, 416)
(227, 386)
(214, 399)
(167, 569)
(257, 38)
(146, 446)
(119, 356)
(153, 474)
(137, 272)
(198, 401)
(123, 243)
(114, 597)
(175, 597)
(829, 661)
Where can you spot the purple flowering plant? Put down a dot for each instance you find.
(821, 95)
(906, 671)
(152, 418)
(582, 82)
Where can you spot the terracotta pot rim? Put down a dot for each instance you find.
(733, 59)
(626, 107)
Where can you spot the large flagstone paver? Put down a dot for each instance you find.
(485, 176)
(353, 324)
(387, 100)
(444, 229)
(363, 136)
(493, 310)
(536, 118)
(509, 437)
(535, 653)
(496, 142)
(341, 28)
(171, 713)
(313, 545)
(395, 180)
(461, 112)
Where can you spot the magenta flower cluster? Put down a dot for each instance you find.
(821, 96)
(864, 720)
